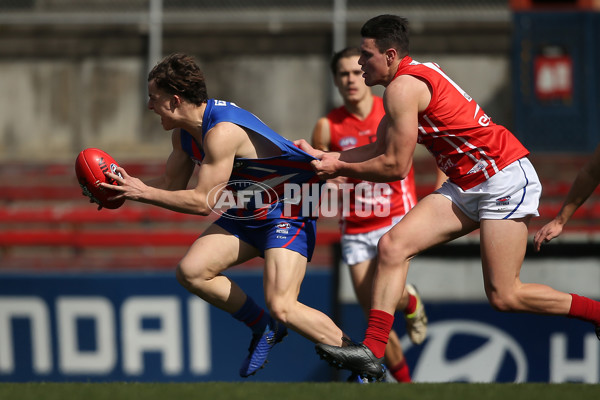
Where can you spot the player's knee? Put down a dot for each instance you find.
(183, 275)
(390, 251)
(279, 308)
(385, 248)
(190, 274)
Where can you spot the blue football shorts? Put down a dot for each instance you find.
(298, 235)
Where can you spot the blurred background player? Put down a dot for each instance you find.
(234, 150)
(355, 124)
(585, 183)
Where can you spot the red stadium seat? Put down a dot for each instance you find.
(45, 222)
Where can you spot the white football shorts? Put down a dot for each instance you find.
(360, 247)
(512, 193)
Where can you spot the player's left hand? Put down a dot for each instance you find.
(306, 147)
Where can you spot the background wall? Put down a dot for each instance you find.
(74, 73)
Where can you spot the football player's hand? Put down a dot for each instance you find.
(128, 187)
(548, 232)
(307, 148)
(327, 166)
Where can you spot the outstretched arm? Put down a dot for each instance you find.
(220, 146)
(390, 157)
(584, 185)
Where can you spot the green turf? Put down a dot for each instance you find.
(292, 391)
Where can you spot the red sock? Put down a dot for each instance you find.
(412, 304)
(401, 372)
(585, 309)
(378, 331)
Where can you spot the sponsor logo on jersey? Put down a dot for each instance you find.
(444, 162)
(480, 166)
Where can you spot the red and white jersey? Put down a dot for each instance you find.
(468, 147)
(346, 132)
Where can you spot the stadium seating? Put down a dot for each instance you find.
(45, 222)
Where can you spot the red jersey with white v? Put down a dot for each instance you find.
(468, 147)
(346, 132)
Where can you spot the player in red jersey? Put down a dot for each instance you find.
(586, 181)
(355, 124)
(492, 186)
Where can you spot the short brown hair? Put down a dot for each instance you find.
(347, 52)
(179, 74)
(389, 31)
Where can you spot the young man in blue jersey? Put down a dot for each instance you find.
(240, 158)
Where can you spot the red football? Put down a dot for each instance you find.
(90, 166)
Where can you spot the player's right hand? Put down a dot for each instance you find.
(548, 232)
(326, 167)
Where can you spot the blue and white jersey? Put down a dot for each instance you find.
(269, 187)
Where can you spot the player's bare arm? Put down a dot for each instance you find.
(221, 145)
(178, 169)
(390, 157)
(321, 140)
(321, 137)
(586, 181)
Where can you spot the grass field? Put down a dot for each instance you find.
(292, 391)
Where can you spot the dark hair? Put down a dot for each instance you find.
(179, 74)
(347, 52)
(389, 31)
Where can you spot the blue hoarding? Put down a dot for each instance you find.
(145, 327)
(137, 327)
(471, 342)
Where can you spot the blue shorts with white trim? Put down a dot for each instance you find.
(298, 235)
